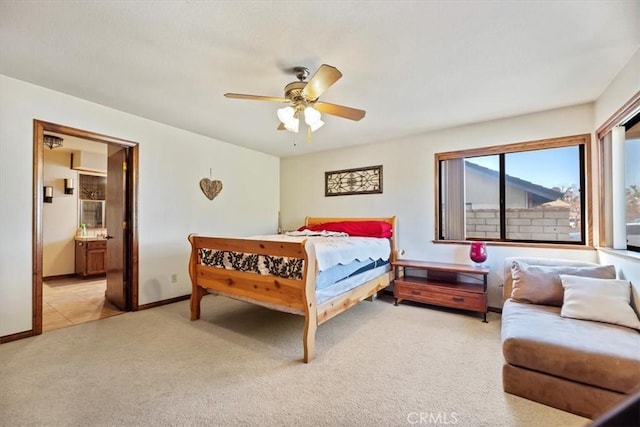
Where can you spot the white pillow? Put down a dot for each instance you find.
(602, 300)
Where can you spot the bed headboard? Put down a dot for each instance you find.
(311, 220)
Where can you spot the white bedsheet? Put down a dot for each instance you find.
(323, 233)
(324, 295)
(331, 251)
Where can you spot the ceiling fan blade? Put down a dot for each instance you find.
(255, 97)
(321, 81)
(339, 110)
(281, 127)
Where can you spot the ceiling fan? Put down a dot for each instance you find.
(303, 99)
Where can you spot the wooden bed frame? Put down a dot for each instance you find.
(289, 295)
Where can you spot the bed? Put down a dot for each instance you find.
(281, 272)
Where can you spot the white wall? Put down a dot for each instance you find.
(59, 218)
(409, 184)
(171, 206)
(409, 180)
(170, 203)
(620, 90)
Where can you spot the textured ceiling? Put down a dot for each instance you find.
(414, 66)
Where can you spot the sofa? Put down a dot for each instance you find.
(556, 354)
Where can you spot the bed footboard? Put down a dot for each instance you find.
(274, 289)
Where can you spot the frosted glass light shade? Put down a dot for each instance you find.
(312, 118)
(287, 116)
(316, 125)
(292, 125)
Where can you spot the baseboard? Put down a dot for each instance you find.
(163, 302)
(16, 336)
(27, 334)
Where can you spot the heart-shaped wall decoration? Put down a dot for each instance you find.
(210, 188)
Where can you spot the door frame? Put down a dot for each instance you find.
(39, 127)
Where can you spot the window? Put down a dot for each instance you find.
(632, 183)
(525, 192)
(619, 141)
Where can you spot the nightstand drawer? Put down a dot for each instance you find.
(453, 298)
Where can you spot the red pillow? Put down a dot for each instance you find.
(354, 228)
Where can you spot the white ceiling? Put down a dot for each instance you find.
(414, 66)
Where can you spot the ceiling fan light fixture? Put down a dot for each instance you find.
(301, 97)
(313, 118)
(292, 125)
(315, 125)
(287, 116)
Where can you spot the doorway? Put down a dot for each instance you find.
(71, 300)
(121, 238)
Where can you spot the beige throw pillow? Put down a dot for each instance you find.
(537, 284)
(602, 300)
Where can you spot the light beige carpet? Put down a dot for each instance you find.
(376, 365)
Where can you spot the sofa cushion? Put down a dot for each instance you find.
(538, 284)
(508, 264)
(601, 300)
(603, 355)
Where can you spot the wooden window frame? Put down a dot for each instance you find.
(583, 140)
(619, 116)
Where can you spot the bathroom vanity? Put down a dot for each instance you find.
(91, 256)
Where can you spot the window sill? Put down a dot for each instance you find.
(622, 253)
(520, 244)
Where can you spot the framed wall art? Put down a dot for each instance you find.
(367, 180)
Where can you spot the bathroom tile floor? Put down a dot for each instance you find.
(70, 301)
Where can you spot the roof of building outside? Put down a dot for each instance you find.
(530, 187)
